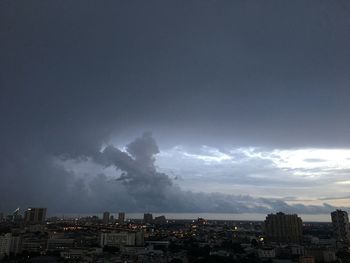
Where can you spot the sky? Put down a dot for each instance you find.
(175, 106)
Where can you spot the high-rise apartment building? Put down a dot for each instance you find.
(105, 218)
(121, 217)
(340, 223)
(35, 215)
(147, 218)
(283, 228)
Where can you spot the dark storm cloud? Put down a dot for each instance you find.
(75, 74)
(140, 177)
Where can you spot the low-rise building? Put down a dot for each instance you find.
(322, 254)
(160, 220)
(266, 252)
(306, 259)
(119, 239)
(59, 244)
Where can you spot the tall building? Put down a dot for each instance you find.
(16, 216)
(105, 218)
(9, 244)
(283, 228)
(35, 215)
(147, 218)
(121, 217)
(340, 223)
(5, 244)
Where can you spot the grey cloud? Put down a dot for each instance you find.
(119, 67)
(154, 191)
(74, 75)
(139, 188)
(335, 198)
(140, 175)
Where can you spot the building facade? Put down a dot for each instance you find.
(340, 223)
(35, 215)
(105, 218)
(283, 228)
(120, 239)
(5, 244)
(147, 218)
(121, 217)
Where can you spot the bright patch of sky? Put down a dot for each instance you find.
(304, 174)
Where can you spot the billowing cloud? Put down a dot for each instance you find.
(144, 184)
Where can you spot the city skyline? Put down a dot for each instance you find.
(212, 106)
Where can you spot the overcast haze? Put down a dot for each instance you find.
(175, 106)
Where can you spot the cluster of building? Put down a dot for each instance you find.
(283, 232)
(281, 238)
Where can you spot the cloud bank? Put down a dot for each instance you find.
(124, 179)
(133, 183)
